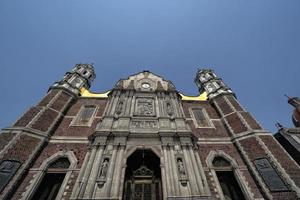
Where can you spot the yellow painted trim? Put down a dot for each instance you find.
(201, 97)
(86, 93)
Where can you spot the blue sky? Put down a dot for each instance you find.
(253, 45)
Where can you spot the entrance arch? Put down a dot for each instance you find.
(143, 176)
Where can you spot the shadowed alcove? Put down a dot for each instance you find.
(143, 176)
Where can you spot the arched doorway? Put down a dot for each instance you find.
(143, 176)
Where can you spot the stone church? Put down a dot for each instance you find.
(142, 140)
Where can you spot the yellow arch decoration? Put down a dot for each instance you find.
(86, 93)
(201, 97)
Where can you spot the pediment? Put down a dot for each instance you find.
(145, 81)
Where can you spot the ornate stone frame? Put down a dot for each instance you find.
(236, 171)
(211, 125)
(37, 178)
(76, 122)
(129, 151)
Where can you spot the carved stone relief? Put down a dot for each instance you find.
(145, 107)
(144, 124)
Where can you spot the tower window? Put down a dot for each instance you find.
(201, 118)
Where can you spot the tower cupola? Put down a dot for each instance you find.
(81, 76)
(207, 81)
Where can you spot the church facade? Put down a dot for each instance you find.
(142, 140)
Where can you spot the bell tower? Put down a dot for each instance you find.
(81, 76)
(207, 80)
(256, 145)
(29, 134)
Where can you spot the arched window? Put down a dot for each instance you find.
(52, 180)
(229, 185)
(227, 175)
(51, 177)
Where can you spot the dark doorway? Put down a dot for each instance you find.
(229, 185)
(49, 186)
(143, 177)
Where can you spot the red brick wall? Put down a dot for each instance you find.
(22, 149)
(224, 106)
(44, 122)
(61, 101)
(250, 120)
(234, 103)
(64, 129)
(5, 138)
(27, 117)
(78, 149)
(217, 131)
(48, 98)
(252, 147)
(235, 123)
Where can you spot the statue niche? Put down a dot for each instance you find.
(103, 172)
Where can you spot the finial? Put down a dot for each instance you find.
(279, 126)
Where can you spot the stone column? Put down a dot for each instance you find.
(203, 177)
(168, 172)
(195, 167)
(79, 183)
(93, 175)
(87, 171)
(175, 173)
(163, 175)
(117, 175)
(190, 171)
(110, 174)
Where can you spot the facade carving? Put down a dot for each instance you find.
(143, 142)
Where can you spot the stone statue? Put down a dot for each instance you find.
(104, 168)
(169, 109)
(119, 107)
(180, 167)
